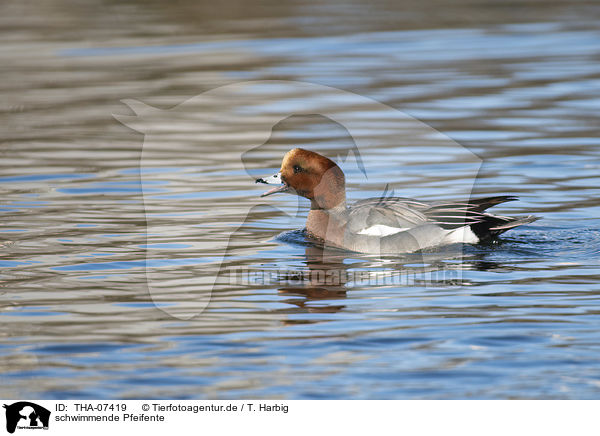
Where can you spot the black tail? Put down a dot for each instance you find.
(492, 225)
(472, 213)
(481, 204)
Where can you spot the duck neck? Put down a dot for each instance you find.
(327, 224)
(330, 204)
(338, 208)
(329, 197)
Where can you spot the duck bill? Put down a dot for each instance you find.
(282, 188)
(275, 179)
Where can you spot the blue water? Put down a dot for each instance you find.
(122, 255)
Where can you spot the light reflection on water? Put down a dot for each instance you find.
(520, 91)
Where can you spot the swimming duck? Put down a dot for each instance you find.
(385, 225)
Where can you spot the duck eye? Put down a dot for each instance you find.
(297, 169)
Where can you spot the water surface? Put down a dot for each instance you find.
(110, 243)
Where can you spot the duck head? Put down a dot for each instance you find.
(309, 175)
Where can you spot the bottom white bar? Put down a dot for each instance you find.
(151, 417)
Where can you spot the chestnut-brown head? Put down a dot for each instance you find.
(312, 176)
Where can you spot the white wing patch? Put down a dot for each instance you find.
(462, 234)
(381, 230)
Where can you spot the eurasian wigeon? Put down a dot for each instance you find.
(386, 225)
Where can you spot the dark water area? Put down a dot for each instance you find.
(143, 263)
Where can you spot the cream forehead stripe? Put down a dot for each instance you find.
(288, 157)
